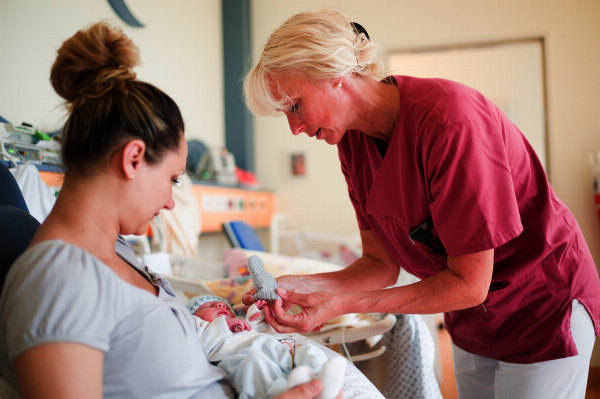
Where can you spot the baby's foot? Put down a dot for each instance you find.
(332, 377)
(298, 376)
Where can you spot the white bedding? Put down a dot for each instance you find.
(356, 385)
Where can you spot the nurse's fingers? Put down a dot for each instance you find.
(304, 300)
(317, 328)
(280, 327)
(302, 322)
(247, 299)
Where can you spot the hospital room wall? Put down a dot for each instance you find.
(570, 29)
(180, 47)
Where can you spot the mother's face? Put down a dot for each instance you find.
(318, 108)
(153, 188)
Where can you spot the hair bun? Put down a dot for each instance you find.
(92, 62)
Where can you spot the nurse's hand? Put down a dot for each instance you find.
(305, 391)
(291, 283)
(317, 308)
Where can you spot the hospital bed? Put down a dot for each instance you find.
(285, 238)
(346, 329)
(245, 241)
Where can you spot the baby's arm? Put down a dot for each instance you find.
(211, 333)
(256, 318)
(255, 313)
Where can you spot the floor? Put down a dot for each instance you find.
(593, 389)
(448, 387)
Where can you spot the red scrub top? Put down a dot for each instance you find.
(455, 159)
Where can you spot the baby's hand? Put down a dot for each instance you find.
(259, 305)
(237, 325)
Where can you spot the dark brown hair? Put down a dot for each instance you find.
(108, 106)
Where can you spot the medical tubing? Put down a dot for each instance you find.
(345, 347)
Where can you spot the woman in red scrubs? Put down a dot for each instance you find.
(446, 186)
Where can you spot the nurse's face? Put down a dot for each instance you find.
(212, 310)
(318, 109)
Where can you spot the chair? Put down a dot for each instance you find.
(17, 226)
(242, 235)
(10, 193)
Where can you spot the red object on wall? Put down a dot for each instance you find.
(597, 201)
(247, 178)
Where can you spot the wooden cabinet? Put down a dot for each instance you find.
(53, 179)
(220, 204)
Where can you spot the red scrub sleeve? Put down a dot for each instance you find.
(473, 203)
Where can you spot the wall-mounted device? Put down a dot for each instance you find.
(26, 143)
(217, 165)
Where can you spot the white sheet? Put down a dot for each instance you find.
(38, 196)
(356, 384)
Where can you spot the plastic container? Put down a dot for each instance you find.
(17, 137)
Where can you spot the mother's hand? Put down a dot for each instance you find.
(305, 391)
(317, 308)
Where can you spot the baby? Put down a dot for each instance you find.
(258, 364)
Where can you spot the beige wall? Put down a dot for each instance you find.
(510, 74)
(571, 30)
(180, 46)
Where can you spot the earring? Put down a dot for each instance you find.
(339, 84)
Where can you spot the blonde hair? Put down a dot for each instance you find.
(318, 46)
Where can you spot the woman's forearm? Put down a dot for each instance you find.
(463, 285)
(364, 274)
(374, 270)
(440, 293)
